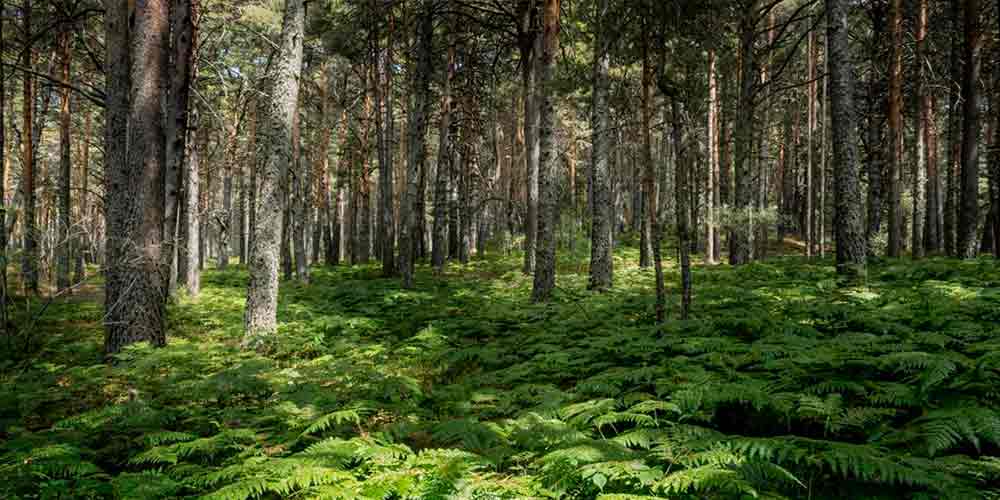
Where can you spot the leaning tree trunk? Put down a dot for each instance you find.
(275, 159)
(416, 147)
(548, 213)
(968, 216)
(848, 206)
(601, 242)
(64, 242)
(135, 281)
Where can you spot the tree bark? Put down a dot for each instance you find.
(711, 231)
(530, 49)
(416, 147)
(65, 242)
(920, 153)
(135, 280)
(848, 219)
(647, 181)
(875, 144)
(548, 213)
(953, 169)
(189, 249)
(968, 216)
(384, 123)
(601, 241)
(681, 182)
(743, 181)
(996, 146)
(896, 131)
(275, 136)
(30, 246)
(439, 248)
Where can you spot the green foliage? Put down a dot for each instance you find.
(782, 386)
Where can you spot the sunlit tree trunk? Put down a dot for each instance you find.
(743, 177)
(530, 49)
(189, 248)
(135, 279)
(273, 164)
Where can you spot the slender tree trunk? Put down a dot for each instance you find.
(276, 140)
(135, 279)
(996, 146)
(647, 184)
(896, 131)
(385, 139)
(952, 174)
(416, 147)
(848, 219)
(810, 215)
(548, 214)
(711, 231)
(183, 33)
(740, 251)
(439, 248)
(30, 246)
(968, 216)
(875, 143)
(602, 211)
(189, 248)
(299, 201)
(918, 176)
(530, 47)
(65, 241)
(681, 182)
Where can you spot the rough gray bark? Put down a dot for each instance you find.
(548, 213)
(135, 281)
(275, 138)
(188, 247)
(299, 205)
(530, 48)
(416, 147)
(952, 169)
(65, 241)
(601, 243)
(439, 248)
(711, 186)
(847, 216)
(874, 142)
(968, 216)
(995, 167)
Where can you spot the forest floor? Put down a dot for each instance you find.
(782, 385)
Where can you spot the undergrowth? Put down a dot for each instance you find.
(780, 386)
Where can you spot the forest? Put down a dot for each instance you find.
(500, 249)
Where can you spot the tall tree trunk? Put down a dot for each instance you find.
(548, 213)
(968, 216)
(601, 241)
(810, 215)
(952, 173)
(416, 147)
(875, 144)
(276, 139)
(135, 280)
(918, 176)
(647, 182)
(996, 146)
(896, 131)
(385, 139)
(4, 173)
(743, 178)
(299, 202)
(30, 247)
(65, 241)
(848, 219)
(711, 231)
(681, 183)
(188, 244)
(530, 48)
(439, 248)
